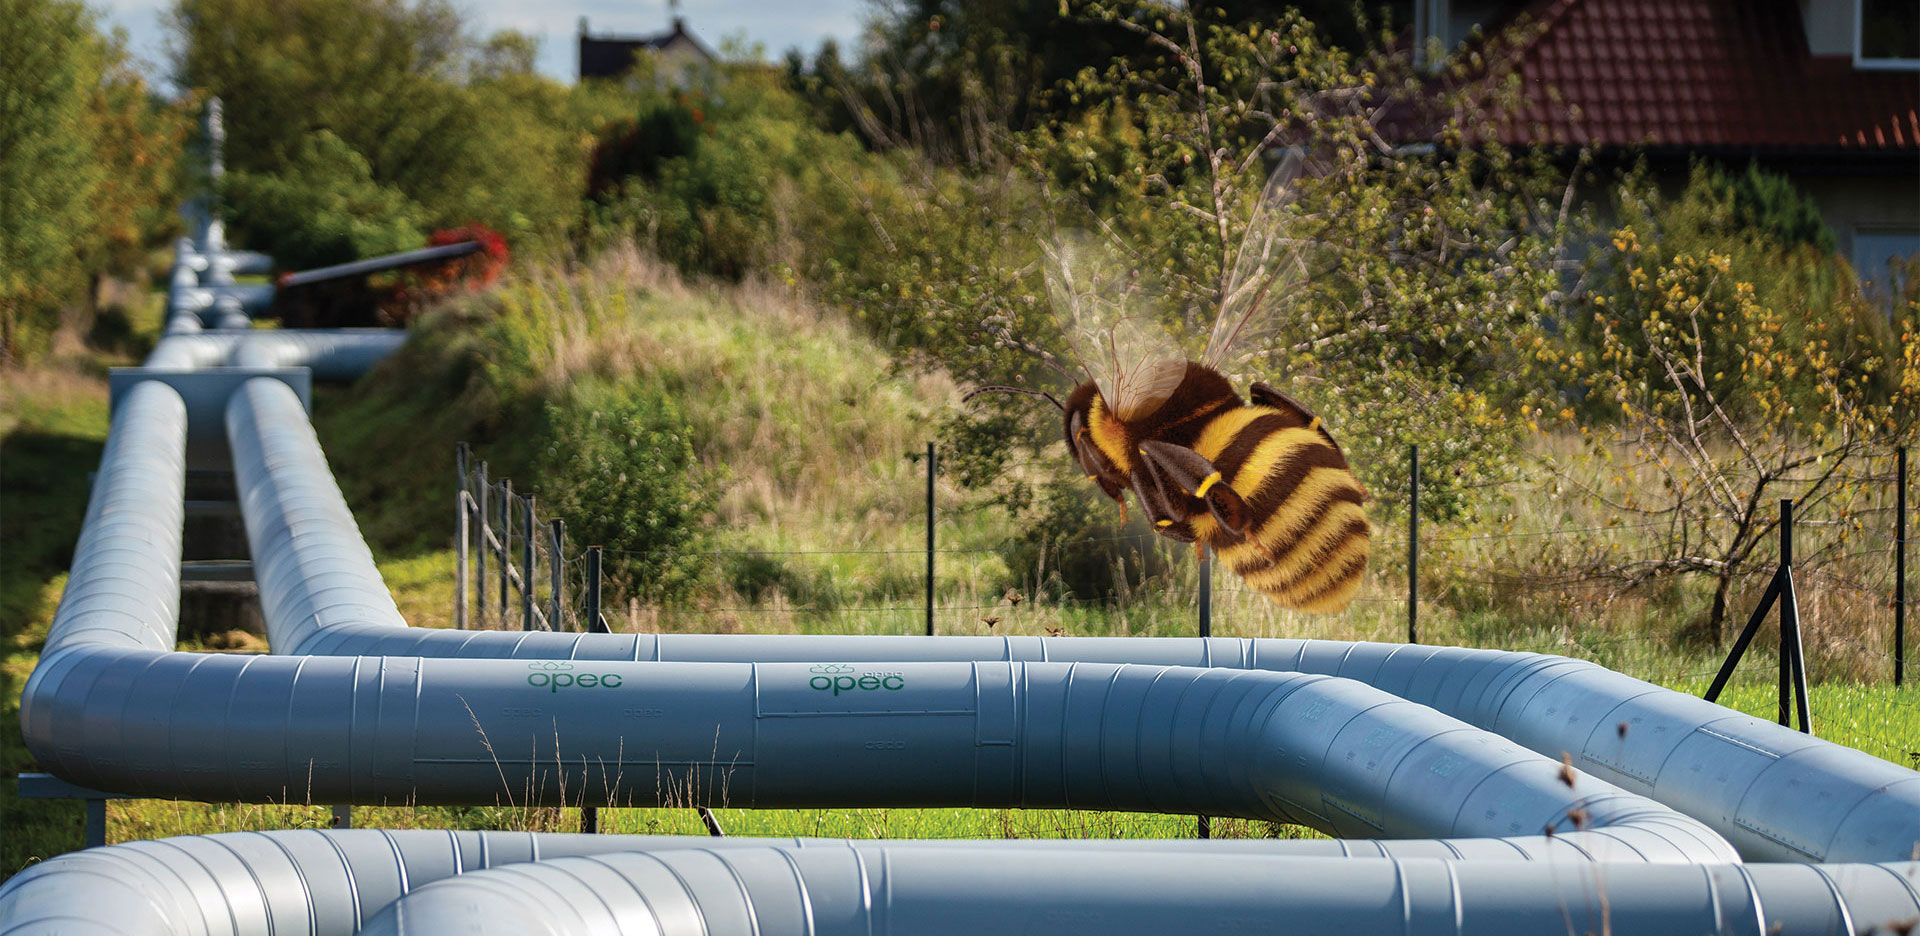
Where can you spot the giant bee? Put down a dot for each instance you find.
(1263, 483)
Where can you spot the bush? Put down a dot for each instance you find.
(619, 465)
(323, 208)
(733, 181)
(86, 166)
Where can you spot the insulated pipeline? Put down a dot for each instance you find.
(1747, 778)
(1322, 751)
(863, 889)
(333, 883)
(333, 354)
(124, 590)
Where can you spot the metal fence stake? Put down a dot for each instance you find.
(1413, 543)
(1206, 592)
(460, 537)
(594, 622)
(590, 820)
(96, 834)
(506, 543)
(526, 563)
(556, 560)
(1204, 828)
(480, 554)
(1793, 663)
(930, 478)
(1900, 569)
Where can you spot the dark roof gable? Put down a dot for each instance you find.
(610, 55)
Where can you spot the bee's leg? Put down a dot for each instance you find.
(1168, 519)
(1195, 477)
(1199, 551)
(1263, 395)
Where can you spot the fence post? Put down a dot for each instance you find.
(506, 545)
(460, 539)
(1206, 592)
(1203, 824)
(930, 477)
(96, 831)
(526, 563)
(481, 488)
(1900, 570)
(1413, 543)
(556, 562)
(1793, 662)
(594, 623)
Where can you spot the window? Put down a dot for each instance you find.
(1886, 34)
(1886, 259)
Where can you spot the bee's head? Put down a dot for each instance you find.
(1088, 425)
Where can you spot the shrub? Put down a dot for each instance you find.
(324, 207)
(87, 157)
(619, 465)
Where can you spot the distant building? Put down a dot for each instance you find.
(1824, 91)
(675, 53)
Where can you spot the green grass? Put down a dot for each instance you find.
(52, 426)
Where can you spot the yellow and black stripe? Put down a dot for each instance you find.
(1306, 545)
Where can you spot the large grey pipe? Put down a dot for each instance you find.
(335, 883)
(864, 889)
(332, 354)
(124, 590)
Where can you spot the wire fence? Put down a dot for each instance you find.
(516, 569)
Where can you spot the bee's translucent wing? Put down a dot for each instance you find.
(1107, 317)
(1267, 269)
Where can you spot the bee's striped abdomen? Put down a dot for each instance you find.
(1308, 537)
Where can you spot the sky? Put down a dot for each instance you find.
(775, 24)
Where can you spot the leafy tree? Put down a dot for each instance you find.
(1717, 361)
(734, 180)
(343, 213)
(140, 141)
(86, 165)
(460, 131)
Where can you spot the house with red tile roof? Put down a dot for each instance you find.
(1825, 91)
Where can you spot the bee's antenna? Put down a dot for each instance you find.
(1043, 354)
(1003, 389)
